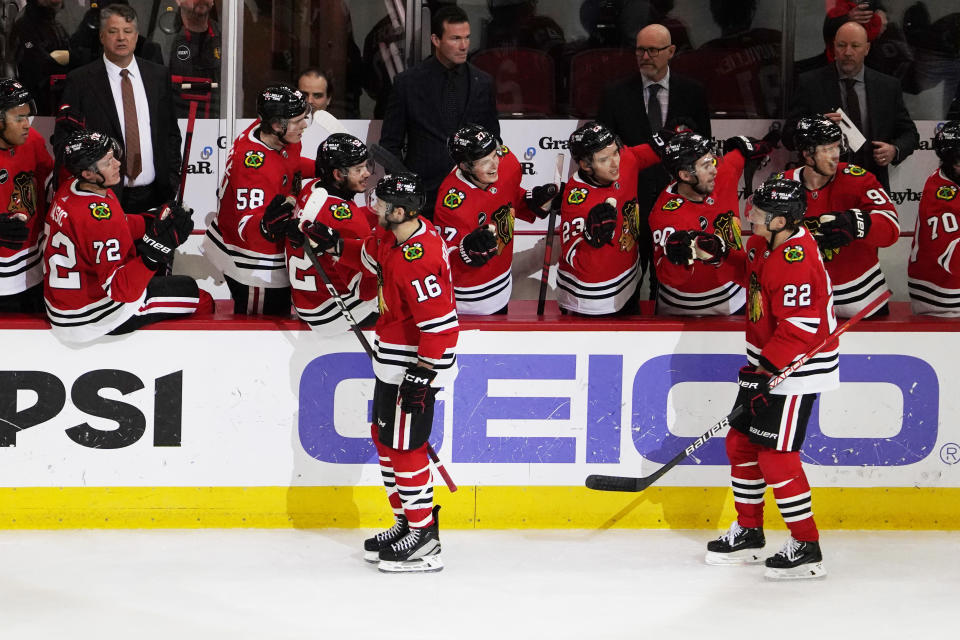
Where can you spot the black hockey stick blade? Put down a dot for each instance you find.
(386, 159)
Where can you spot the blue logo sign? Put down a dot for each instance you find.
(206, 153)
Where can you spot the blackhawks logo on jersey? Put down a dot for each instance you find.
(673, 204)
(503, 219)
(341, 211)
(854, 170)
(577, 196)
(100, 210)
(23, 198)
(754, 299)
(453, 198)
(630, 230)
(946, 193)
(727, 225)
(503, 150)
(793, 253)
(412, 252)
(381, 302)
(254, 159)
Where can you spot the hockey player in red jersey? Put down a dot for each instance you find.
(934, 268)
(101, 264)
(789, 308)
(415, 337)
(599, 268)
(264, 168)
(475, 211)
(25, 165)
(849, 213)
(343, 168)
(700, 212)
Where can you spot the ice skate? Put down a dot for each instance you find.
(372, 546)
(739, 545)
(796, 561)
(417, 551)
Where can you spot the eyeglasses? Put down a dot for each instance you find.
(653, 52)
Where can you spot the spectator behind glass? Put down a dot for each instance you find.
(936, 46)
(40, 50)
(316, 87)
(515, 23)
(195, 53)
(85, 46)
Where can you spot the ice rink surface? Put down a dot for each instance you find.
(266, 584)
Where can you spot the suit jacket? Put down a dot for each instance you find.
(888, 120)
(623, 108)
(413, 117)
(87, 91)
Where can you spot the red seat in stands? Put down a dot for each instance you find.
(524, 79)
(591, 71)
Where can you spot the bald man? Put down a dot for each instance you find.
(872, 100)
(637, 108)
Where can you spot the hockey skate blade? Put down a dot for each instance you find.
(371, 556)
(744, 556)
(802, 572)
(427, 564)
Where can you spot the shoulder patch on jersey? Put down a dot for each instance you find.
(577, 195)
(854, 170)
(412, 252)
(673, 204)
(946, 193)
(341, 211)
(253, 159)
(453, 198)
(793, 253)
(100, 210)
(503, 150)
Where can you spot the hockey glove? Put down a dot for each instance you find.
(182, 220)
(601, 223)
(751, 149)
(158, 243)
(478, 247)
(13, 230)
(679, 248)
(277, 217)
(415, 395)
(755, 387)
(322, 238)
(840, 228)
(709, 247)
(538, 197)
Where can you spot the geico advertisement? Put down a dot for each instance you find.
(275, 408)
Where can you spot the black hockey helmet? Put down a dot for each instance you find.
(779, 196)
(83, 149)
(683, 150)
(13, 94)
(590, 138)
(402, 190)
(810, 132)
(339, 151)
(279, 103)
(470, 143)
(946, 143)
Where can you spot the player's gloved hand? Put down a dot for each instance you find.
(13, 230)
(478, 247)
(709, 247)
(415, 395)
(601, 223)
(159, 241)
(750, 148)
(755, 386)
(662, 138)
(182, 218)
(840, 228)
(538, 197)
(322, 238)
(277, 217)
(679, 248)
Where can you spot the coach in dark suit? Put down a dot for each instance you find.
(131, 100)
(432, 100)
(642, 105)
(872, 100)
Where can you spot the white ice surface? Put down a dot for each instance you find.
(236, 584)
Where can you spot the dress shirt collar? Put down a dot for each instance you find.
(114, 70)
(663, 82)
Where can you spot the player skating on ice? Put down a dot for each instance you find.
(413, 357)
(789, 307)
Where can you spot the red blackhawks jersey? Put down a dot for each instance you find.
(462, 207)
(418, 313)
(854, 269)
(701, 289)
(254, 174)
(592, 280)
(94, 279)
(934, 269)
(23, 171)
(790, 309)
(357, 287)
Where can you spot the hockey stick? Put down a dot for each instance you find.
(187, 143)
(386, 159)
(623, 483)
(332, 290)
(551, 224)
